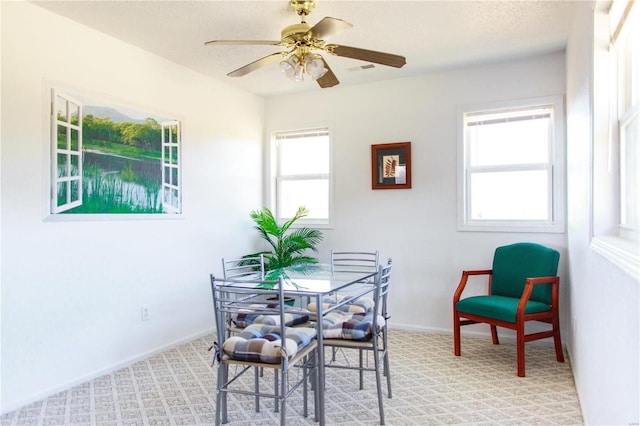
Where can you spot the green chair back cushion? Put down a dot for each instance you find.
(513, 264)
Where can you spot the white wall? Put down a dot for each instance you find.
(417, 227)
(72, 291)
(604, 300)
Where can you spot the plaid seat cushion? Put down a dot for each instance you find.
(263, 343)
(348, 326)
(244, 319)
(360, 305)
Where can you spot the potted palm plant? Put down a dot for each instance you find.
(288, 247)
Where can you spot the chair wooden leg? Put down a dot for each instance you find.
(456, 334)
(520, 349)
(556, 340)
(494, 335)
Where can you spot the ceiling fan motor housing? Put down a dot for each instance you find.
(294, 33)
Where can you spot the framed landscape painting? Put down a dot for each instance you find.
(109, 158)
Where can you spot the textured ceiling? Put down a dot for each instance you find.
(432, 35)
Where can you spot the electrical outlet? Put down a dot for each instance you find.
(144, 313)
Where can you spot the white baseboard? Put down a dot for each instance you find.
(506, 335)
(14, 405)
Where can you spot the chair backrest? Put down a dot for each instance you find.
(383, 282)
(513, 264)
(251, 267)
(354, 261)
(233, 296)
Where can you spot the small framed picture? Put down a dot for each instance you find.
(391, 165)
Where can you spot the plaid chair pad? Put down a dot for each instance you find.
(347, 326)
(244, 319)
(263, 343)
(360, 305)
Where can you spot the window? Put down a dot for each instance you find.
(626, 53)
(511, 166)
(302, 174)
(616, 133)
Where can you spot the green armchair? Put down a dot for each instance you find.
(523, 286)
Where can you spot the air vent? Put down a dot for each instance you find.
(361, 67)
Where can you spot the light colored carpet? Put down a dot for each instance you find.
(430, 387)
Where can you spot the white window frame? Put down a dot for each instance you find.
(611, 238)
(68, 180)
(277, 178)
(171, 171)
(555, 168)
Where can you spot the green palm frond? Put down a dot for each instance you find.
(287, 248)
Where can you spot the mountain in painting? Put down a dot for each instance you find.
(105, 111)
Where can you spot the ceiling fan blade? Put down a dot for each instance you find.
(242, 42)
(327, 28)
(256, 64)
(382, 58)
(329, 79)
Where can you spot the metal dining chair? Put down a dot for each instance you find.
(271, 345)
(364, 332)
(354, 261)
(251, 267)
(350, 261)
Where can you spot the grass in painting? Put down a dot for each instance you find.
(104, 193)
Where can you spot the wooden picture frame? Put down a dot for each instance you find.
(391, 166)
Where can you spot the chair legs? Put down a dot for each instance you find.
(494, 335)
(376, 358)
(456, 334)
(520, 349)
(221, 397)
(387, 371)
(361, 356)
(521, 339)
(280, 392)
(380, 368)
(556, 340)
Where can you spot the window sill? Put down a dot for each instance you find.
(622, 253)
(511, 226)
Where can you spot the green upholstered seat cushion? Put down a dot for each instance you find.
(498, 307)
(513, 264)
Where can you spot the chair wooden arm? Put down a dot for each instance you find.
(463, 281)
(528, 288)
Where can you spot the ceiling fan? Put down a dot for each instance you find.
(302, 41)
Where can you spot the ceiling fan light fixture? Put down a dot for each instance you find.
(289, 66)
(314, 66)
